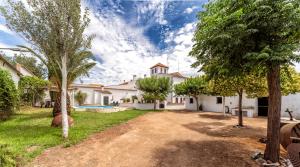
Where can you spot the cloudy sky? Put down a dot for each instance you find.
(133, 35)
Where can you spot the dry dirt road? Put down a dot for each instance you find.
(165, 139)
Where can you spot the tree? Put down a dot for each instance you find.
(192, 87)
(235, 36)
(253, 85)
(31, 64)
(8, 95)
(154, 88)
(80, 97)
(32, 89)
(55, 30)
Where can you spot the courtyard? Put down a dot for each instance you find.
(166, 139)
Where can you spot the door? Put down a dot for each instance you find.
(262, 106)
(105, 100)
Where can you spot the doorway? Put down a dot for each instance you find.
(105, 100)
(262, 106)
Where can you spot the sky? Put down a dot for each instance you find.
(131, 36)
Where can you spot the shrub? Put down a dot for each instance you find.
(7, 157)
(8, 95)
(32, 89)
(80, 97)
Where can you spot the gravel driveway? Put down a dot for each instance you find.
(167, 139)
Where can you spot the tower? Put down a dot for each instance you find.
(159, 69)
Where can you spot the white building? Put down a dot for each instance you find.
(252, 107)
(16, 72)
(126, 92)
(176, 78)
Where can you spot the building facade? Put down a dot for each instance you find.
(252, 107)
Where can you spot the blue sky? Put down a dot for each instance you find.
(133, 35)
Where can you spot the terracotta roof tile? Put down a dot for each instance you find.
(159, 65)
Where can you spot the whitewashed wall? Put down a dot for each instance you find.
(144, 106)
(233, 101)
(292, 102)
(209, 103)
(118, 94)
(13, 73)
(93, 97)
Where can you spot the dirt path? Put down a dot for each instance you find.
(167, 139)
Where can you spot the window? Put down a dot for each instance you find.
(191, 100)
(165, 71)
(219, 100)
(155, 70)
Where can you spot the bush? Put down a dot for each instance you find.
(80, 97)
(32, 90)
(7, 158)
(8, 95)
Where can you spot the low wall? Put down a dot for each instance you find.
(175, 107)
(248, 112)
(144, 106)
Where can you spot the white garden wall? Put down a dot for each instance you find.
(144, 106)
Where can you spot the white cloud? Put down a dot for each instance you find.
(190, 10)
(155, 8)
(4, 29)
(178, 54)
(124, 51)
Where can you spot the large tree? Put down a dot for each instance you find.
(55, 30)
(154, 88)
(193, 87)
(251, 84)
(250, 34)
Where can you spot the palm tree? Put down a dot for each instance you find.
(78, 65)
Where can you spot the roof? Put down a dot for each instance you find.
(10, 65)
(123, 86)
(159, 65)
(86, 85)
(103, 91)
(177, 74)
(18, 66)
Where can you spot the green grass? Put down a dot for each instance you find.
(28, 132)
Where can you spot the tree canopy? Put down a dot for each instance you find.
(236, 37)
(9, 96)
(32, 89)
(193, 87)
(55, 30)
(31, 63)
(154, 88)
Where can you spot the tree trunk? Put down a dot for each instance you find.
(240, 108)
(224, 105)
(274, 109)
(64, 113)
(197, 103)
(57, 107)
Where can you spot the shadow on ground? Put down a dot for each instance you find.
(212, 153)
(215, 116)
(219, 129)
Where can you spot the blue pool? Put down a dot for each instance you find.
(94, 107)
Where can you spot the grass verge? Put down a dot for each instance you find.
(28, 132)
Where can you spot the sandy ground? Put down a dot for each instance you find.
(165, 139)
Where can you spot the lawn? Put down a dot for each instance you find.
(28, 132)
